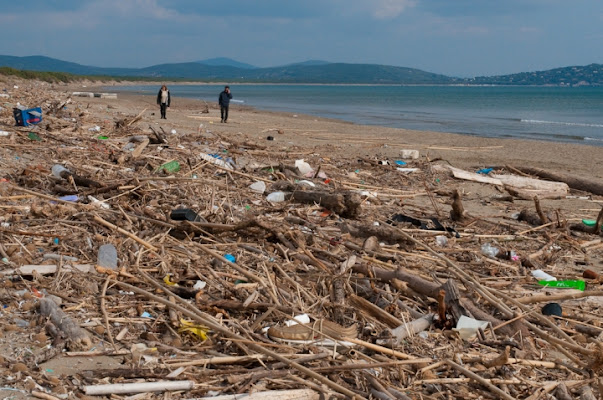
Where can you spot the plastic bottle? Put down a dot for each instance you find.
(489, 251)
(572, 284)
(542, 276)
(276, 197)
(215, 160)
(57, 171)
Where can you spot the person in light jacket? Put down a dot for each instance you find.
(224, 101)
(163, 99)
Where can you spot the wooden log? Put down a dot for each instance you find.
(415, 282)
(294, 394)
(345, 204)
(573, 182)
(77, 338)
(384, 233)
(141, 387)
(361, 303)
(458, 211)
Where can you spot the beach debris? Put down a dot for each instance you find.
(408, 154)
(384, 272)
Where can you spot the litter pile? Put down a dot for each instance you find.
(137, 260)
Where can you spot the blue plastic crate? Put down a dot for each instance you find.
(27, 117)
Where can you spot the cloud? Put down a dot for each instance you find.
(387, 9)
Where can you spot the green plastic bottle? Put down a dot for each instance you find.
(580, 285)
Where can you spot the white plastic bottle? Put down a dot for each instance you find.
(276, 197)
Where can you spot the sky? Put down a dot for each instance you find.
(463, 38)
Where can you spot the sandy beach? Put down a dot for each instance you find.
(350, 140)
(359, 245)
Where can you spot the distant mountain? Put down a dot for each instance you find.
(228, 62)
(305, 72)
(313, 71)
(42, 63)
(309, 62)
(588, 75)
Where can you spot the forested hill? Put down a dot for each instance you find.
(588, 75)
(308, 72)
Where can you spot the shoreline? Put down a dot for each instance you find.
(462, 120)
(462, 150)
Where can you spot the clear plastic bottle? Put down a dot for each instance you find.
(489, 251)
(276, 197)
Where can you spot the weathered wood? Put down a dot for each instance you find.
(77, 338)
(385, 233)
(294, 394)
(458, 212)
(415, 282)
(573, 182)
(345, 204)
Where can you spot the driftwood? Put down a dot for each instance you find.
(346, 204)
(76, 337)
(458, 212)
(384, 233)
(122, 388)
(573, 182)
(296, 394)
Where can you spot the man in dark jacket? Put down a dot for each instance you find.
(224, 101)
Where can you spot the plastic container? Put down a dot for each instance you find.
(552, 309)
(303, 166)
(57, 171)
(172, 166)
(184, 214)
(258, 187)
(215, 161)
(99, 203)
(489, 251)
(542, 276)
(276, 197)
(107, 256)
(409, 154)
(580, 285)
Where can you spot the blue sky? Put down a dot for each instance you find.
(453, 37)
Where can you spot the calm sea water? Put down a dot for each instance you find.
(545, 113)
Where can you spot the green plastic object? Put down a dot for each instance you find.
(589, 222)
(580, 285)
(101, 137)
(172, 166)
(33, 136)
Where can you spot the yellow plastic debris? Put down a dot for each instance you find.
(168, 280)
(197, 330)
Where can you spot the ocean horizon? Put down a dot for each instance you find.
(557, 114)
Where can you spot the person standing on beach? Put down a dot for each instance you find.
(163, 99)
(224, 101)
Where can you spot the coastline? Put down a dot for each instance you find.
(347, 138)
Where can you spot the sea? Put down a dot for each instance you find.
(558, 114)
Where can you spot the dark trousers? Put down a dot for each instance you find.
(224, 113)
(163, 110)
